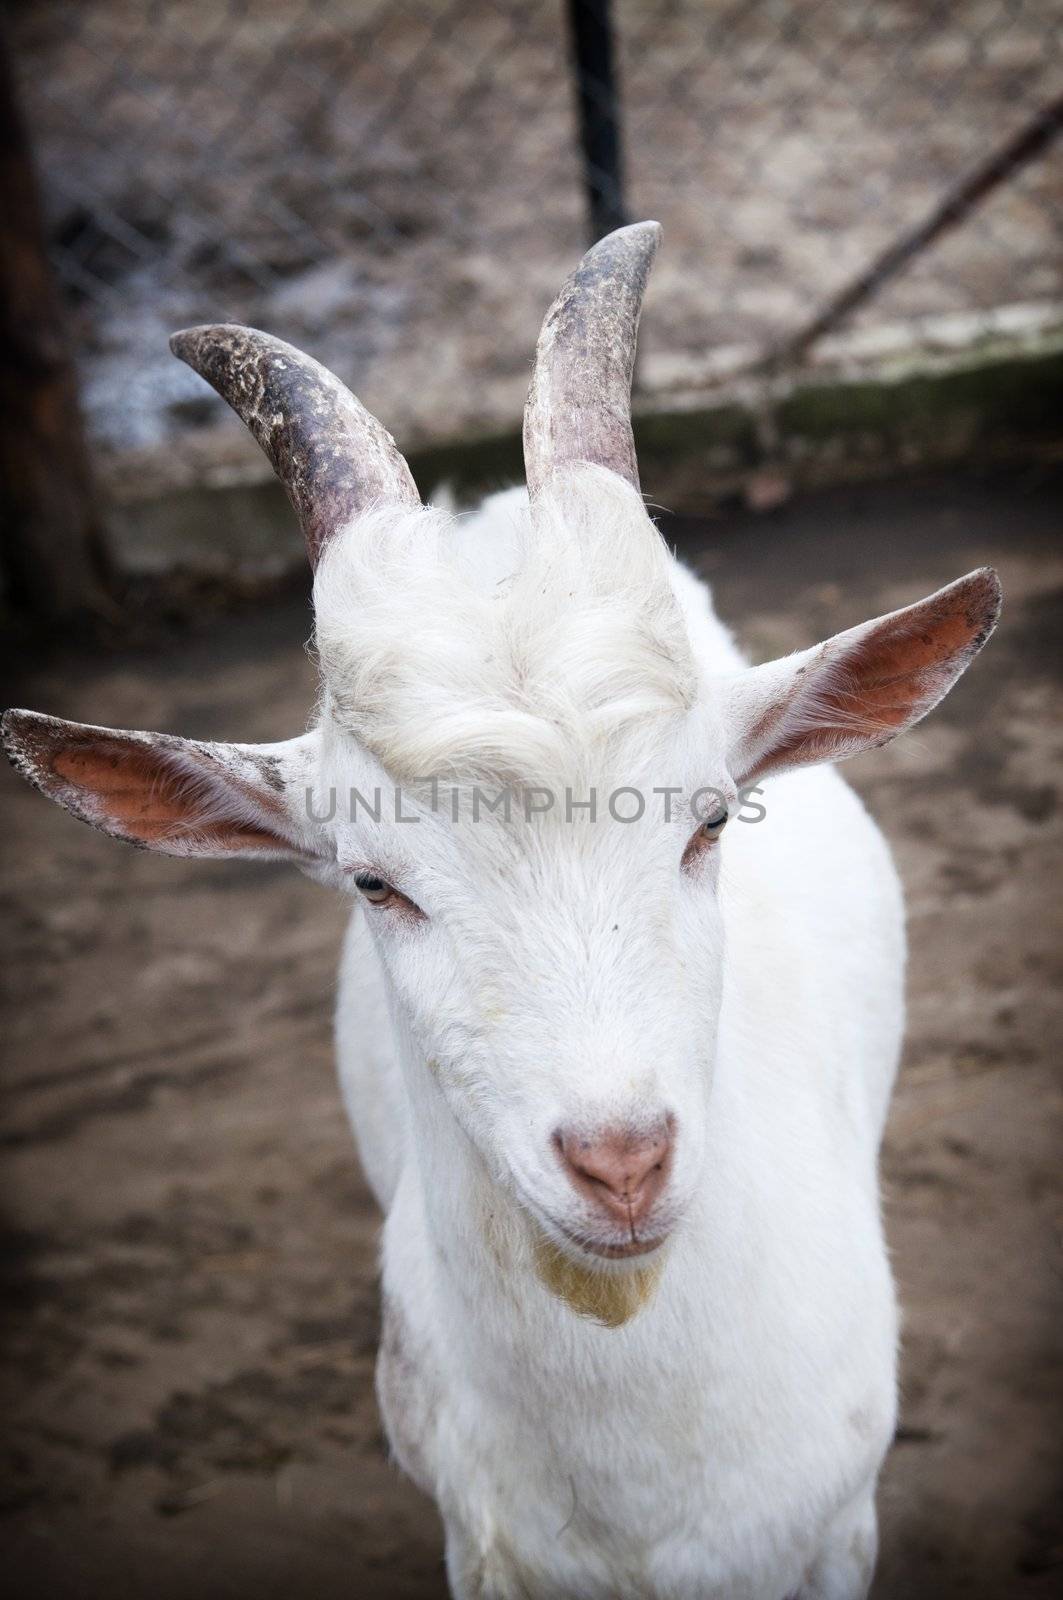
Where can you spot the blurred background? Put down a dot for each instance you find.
(850, 390)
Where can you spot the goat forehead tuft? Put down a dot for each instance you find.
(448, 658)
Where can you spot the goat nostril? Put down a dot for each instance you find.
(618, 1168)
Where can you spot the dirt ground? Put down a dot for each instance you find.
(190, 1306)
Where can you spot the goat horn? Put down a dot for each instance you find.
(579, 404)
(332, 457)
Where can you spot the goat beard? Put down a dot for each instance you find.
(608, 1297)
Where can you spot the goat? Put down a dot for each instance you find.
(617, 1064)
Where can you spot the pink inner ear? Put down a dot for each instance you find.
(141, 793)
(868, 685)
(903, 664)
(892, 675)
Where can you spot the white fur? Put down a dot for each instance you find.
(521, 655)
(725, 1442)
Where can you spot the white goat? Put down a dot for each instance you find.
(618, 1085)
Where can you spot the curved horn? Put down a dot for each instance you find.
(579, 404)
(332, 457)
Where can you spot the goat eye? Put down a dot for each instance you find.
(375, 890)
(705, 837)
(379, 892)
(712, 827)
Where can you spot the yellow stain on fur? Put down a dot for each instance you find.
(609, 1298)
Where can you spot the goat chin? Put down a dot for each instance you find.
(605, 1295)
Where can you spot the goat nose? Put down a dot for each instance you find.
(620, 1171)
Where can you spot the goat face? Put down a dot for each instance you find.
(560, 974)
(528, 787)
(563, 991)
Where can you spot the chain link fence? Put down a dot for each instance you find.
(397, 185)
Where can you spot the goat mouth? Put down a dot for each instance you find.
(627, 1251)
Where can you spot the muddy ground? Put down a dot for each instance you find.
(190, 1311)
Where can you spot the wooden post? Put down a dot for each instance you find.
(52, 550)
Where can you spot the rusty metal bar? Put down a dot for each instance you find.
(1036, 135)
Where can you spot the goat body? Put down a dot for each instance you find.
(726, 1440)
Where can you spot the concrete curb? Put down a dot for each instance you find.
(949, 389)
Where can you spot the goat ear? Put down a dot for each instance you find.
(179, 796)
(861, 688)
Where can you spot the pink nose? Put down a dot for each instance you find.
(620, 1172)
